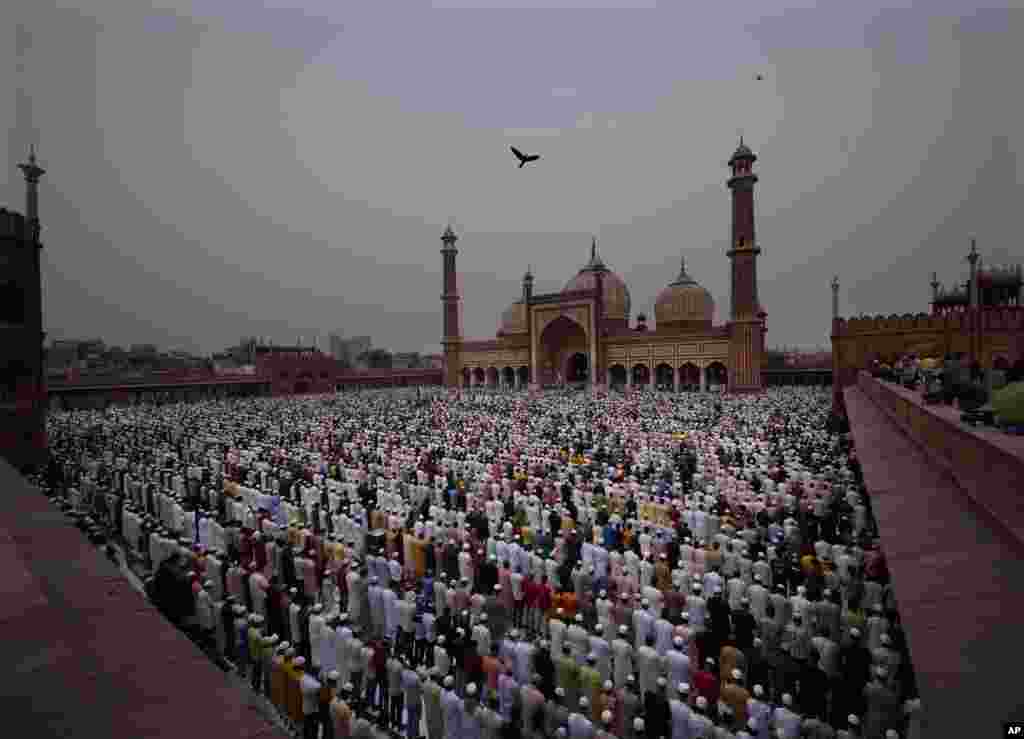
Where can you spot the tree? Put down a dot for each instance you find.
(376, 358)
(775, 359)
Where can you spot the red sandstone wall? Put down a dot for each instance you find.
(987, 465)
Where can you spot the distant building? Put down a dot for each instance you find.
(22, 365)
(334, 345)
(983, 319)
(62, 355)
(809, 360)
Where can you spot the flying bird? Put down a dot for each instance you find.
(524, 158)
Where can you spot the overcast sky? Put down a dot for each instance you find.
(217, 168)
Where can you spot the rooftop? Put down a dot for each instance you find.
(91, 656)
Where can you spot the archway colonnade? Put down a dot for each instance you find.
(502, 378)
(690, 376)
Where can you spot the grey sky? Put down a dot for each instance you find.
(217, 168)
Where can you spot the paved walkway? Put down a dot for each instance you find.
(85, 654)
(958, 580)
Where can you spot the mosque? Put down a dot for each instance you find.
(582, 335)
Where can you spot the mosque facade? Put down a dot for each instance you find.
(582, 335)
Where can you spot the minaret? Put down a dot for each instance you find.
(972, 296)
(451, 332)
(29, 346)
(746, 337)
(597, 371)
(972, 258)
(528, 285)
(32, 172)
(935, 292)
(837, 380)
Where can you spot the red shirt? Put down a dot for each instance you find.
(380, 659)
(245, 546)
(530, 592)
(260, 550)
(707, 685)
(545, 596)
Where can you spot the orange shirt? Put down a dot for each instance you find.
(295, 695)
(491, 668)
(569, 604)
(736, 697)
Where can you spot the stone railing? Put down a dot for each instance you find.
(986, 464)
(128, 379)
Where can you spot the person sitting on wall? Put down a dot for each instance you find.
(933, 391)
(909, 373)
(950, 376)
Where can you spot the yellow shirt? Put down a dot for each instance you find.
(527, 533)
(644, 509)
(663, 515)
(255, 645)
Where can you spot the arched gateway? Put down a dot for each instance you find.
(563, 352)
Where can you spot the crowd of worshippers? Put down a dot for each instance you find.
(652, 567)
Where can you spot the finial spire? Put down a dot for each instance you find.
(31, 169)
(448, 237)
(593, 247)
